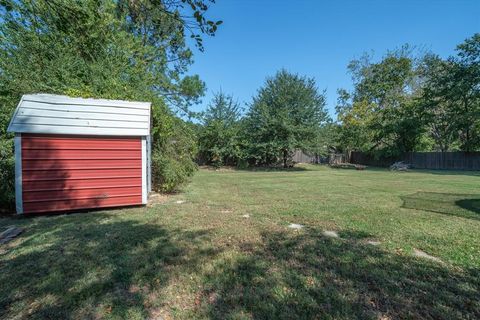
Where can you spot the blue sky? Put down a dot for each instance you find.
(319, 38)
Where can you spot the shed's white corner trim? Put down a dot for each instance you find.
(144, 171)
(18, 174)
(149, 164)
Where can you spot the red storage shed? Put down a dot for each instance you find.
(75, 153)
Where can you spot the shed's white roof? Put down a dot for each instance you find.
(55, 114)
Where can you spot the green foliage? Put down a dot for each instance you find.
(7, 175)
(132, 50)
(380, 114)
(437, 106)
(219, 137)
(325, 141)
(451, 97)
(285, 115)
(174, 146)
(465, 91)
(406, 104)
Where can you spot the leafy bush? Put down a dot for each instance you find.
(168, 173)
(174, 147)
(7, 176)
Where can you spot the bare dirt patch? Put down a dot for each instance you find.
(155, 198)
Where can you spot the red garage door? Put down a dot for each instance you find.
(61, 172)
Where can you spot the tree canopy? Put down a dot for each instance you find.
(219, 137)
(413, 103)
(286, 114)
(380, 113)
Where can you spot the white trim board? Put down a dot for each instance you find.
(18, 174)
(144, 171)
(149, 164)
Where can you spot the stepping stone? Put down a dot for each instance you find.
(374, 243)
(422, 254)
(10, 234)
(295, 226)
(180, 201)
(330, 234)
(246, 216)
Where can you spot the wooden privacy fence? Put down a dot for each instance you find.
(424, 160)
(300, 157)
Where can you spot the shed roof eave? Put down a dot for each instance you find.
(54, 114)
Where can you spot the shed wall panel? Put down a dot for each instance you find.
(79, 164)
(61, 172)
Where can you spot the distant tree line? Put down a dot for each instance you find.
(404, 102)
(412, 103)
(287, 113)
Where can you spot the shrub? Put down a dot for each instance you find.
(168, 173)
(7, 176)
(174, 147)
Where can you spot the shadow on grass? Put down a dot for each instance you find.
(308, 276)
(461, 205)
(472, 205)
(442, 172)
(94, 266)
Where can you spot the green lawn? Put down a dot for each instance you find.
(203, 259)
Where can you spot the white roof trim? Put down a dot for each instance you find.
(55, 114)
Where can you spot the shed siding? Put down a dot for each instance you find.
(51, 114)
(62, 172)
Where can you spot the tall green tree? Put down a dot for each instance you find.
(451, 97)
(285, 115)
(380, 115)
(437, 104)
(465, 90)
(219, 137)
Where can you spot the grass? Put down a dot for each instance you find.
(202, 259)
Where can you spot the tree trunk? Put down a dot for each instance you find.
(285, 158)
(467, 139)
